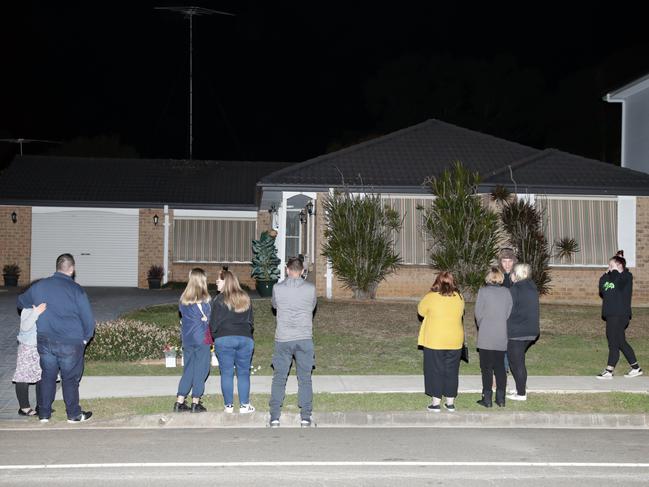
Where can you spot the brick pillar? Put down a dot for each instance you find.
(16, 240)
(151, 243)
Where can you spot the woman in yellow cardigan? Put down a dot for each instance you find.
(441, 335)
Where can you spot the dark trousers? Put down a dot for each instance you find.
(493, 362)
(615, 327)
(22, 393)
(516, 352)
(441, 369)
(66, 358)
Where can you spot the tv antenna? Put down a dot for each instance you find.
(189, 13)
(21, 141)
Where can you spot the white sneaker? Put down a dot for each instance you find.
(246, 409)
(274, 423)
(634, 373)
(516, 397)
(229, 408)
(606, 374)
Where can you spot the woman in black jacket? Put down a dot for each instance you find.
(615, 289)
(522, 326)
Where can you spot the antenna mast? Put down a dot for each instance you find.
(189, 13)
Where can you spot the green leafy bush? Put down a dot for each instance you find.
(129, 340)
(523, 224)
(358, 240)
(464, 233)
(265, 261)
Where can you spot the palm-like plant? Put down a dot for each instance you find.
(464, 233)
(265, 261)
(523, 223)
(358, 240)
(566, 248)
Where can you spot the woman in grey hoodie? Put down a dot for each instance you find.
(492, 308)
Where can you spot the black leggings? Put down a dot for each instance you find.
(492, 362)
(516, 352)
(22, 393)
(615, 326)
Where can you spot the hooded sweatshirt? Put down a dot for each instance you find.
(616, 289)
(523, 322)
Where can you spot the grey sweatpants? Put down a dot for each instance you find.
(302, 351)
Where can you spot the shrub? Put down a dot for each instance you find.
(129, 340)
(155, 272)
(464, 233)
(265, 261)
(523, 223)
(358, 240)
(11, 269)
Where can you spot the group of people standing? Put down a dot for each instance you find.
(57, 323)
(508, 323)
(227, 322)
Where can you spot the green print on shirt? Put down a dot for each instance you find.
(608, 285)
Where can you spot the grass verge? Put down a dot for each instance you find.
(381, 338)
(613, 402)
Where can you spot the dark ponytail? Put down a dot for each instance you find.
(619, 259)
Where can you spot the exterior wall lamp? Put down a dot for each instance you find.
(303, 216)
(14, 217)
(155, 220)
(272, 208)
(309, 208)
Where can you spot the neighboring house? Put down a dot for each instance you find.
(120, 216)
(634, 98)
(602, 206)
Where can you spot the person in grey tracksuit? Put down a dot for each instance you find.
(294, 300)
(492, 308)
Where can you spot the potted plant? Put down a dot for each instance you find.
(11, 273)
(154, 276)
(264, 263)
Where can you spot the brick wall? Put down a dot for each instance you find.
(641, 271)
(151, 243)
(16, 240)
(179, 272)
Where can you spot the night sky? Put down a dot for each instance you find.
(289, 80)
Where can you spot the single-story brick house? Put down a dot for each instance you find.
(120, 216)
(603, 206)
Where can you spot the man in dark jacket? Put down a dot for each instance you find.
(64, 330)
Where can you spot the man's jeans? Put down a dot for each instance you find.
(302, 351)
(65, 357)
(234, 351)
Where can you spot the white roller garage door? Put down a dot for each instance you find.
(103, 241)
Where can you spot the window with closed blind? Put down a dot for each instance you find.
(213, 240)
(592, 222)
(410, 242)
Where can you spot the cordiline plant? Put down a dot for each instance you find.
(358, 240)
(463, 232)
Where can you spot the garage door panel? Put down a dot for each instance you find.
(104, 243)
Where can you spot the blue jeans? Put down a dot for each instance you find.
(68, 359)
(197, 360)
(234, 351)
(283, 355)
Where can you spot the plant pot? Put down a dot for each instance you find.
(11, 280)
(154, 283)
(265, 288)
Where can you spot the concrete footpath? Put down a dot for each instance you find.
(141, 386)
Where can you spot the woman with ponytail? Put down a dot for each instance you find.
(615, 289)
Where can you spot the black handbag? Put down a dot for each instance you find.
(464, 356)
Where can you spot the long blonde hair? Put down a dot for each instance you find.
(233, 296)
(196, 290)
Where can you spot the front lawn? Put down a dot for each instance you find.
(381, 338)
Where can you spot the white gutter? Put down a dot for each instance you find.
(165, 247)
(329, 275)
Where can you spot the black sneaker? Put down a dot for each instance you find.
(198, 408)
(84, 416)
(180, 407)
(434, 408)
(449, 407)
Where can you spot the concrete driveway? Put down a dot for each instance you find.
(107, 303)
